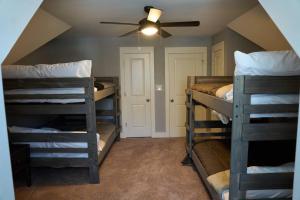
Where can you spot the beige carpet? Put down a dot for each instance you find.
(135, 169)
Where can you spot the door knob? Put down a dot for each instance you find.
(172, 100)
(148, 100)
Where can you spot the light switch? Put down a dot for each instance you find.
(159, 87)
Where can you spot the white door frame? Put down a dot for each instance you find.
(137, 50)
(219, 45)
(182, 50)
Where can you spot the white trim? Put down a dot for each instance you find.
(221, 46)
(136, 50)
(169, 50)
(160, 135)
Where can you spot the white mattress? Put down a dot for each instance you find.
(220, 182)
(60, 70)
(46, 91)
(16, 129)
(226, 93)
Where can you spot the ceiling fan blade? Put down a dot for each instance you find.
(129, 33)
(180, 24)
(154, 15)
(164, 33)
(119, 23)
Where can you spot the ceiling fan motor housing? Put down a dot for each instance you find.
(147, 8)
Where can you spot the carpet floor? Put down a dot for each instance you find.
(135, 169)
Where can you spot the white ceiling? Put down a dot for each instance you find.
(84, 15)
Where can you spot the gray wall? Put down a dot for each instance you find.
(106, 60)
(233, 42)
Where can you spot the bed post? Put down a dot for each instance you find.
(189, 122)
(92, 132)
(239, 148)
(116, 107)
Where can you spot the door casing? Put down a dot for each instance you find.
(218, 47)
(138, 50)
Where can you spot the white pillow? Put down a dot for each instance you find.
(220, 182)
(273, 63)
(72, 69)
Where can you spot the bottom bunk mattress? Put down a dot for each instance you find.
(220, 182)
(104, 130)
(214, 155)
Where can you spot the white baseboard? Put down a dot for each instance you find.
(160, 135)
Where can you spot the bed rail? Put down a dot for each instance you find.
(85, 108)
(246, 130)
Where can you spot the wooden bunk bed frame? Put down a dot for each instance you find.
(243, 131)
(86, 108)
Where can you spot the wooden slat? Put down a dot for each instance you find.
(107, 79)
(45, 109)
(59, 162)
(187, 105)
(269, 131)
(212, 134)
(10, 84)
(101, 94)
(48, 137)
(213, 79)
(105, 113)
(58, 150)
(45, 96)
(271, 108)
(272, 85)
(266, 181)
(210, 124)
(213, 102)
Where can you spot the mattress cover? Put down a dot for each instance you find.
(267, 63)
(18, 129)
(77, 69)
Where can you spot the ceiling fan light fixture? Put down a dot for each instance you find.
(149, 30)
(154, 15)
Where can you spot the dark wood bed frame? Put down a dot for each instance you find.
(243, 131)
(86, 108)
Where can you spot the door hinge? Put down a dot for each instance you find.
(126, 124)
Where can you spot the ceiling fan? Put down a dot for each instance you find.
(151, 25)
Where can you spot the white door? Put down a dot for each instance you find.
(181, 63)
(218, 65)
(136, 92)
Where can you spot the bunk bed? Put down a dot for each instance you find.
(255, 145)
(78, 133)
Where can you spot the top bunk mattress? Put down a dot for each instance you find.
(80, 69)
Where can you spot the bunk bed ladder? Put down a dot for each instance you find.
(245, 131)
(189, 128)
(116, 110)
(239, 151)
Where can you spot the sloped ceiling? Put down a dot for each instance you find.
(258, 27)
(42, 28)
(286, 15)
